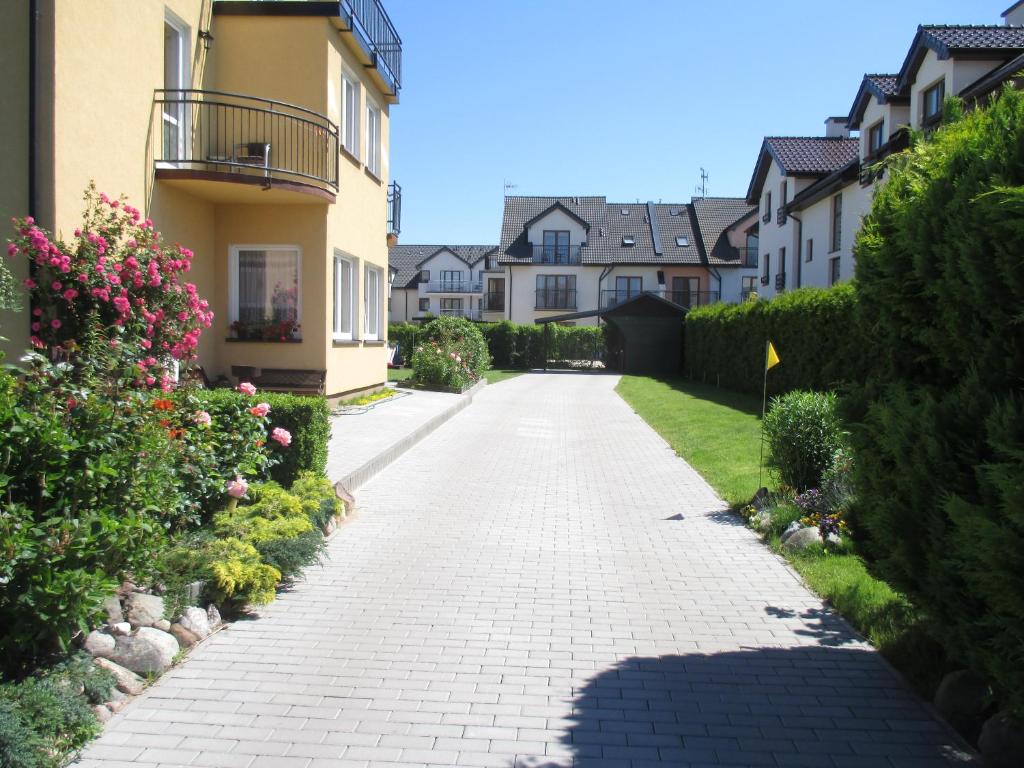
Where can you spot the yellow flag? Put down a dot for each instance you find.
(772, 358)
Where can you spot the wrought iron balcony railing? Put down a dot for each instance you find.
(246, 138)
(748, 256)
(394, 208)
(612, 298)
(377, 34)
(493, 302)
(556, 298)
(780, 281)
(469, 314)
(556, 254)
(766, 218)
(780, 216)
(455, 286)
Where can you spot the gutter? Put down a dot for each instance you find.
(33, 106)
(600, 279)
(799, 249)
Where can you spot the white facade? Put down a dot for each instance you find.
(449, 286)
(956, 74)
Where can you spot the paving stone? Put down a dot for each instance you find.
(511, 593)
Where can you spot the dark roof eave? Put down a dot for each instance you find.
(557, 204)
(825, 186)
(991, 80)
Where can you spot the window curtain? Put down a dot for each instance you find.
(268, 286)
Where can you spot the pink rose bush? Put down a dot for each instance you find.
(453, 356)
(282, 436)
(116, 278)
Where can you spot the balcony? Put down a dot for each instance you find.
(556, 254)
(394, 208)
(455, 286)
(555, 298)
(493, 302)
(212, 136)
(767, 217)
(468, 314)
(688, 299)
(748, 256)
(780, 281)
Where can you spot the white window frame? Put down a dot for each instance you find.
(350, 133)
(374, 311)
(177, 114)
(233, 252)
(373, 138)
(346, 262)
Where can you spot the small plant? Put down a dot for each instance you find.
(451, 355)
(803, 432)
(818, 514)
(239, 573)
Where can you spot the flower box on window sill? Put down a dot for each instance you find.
(284, 332)
(291, 340)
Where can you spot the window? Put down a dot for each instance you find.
(833, 271)
(373, 139)
(176, 76)
(371, 302)
(783, 192)
(263, 289)
(350, 115)
(809, 252)
(344, 297)
(837, 222)
(876, 137)
(767, 207)
(424, 275)
(750, 254)
(495, 300)
(556, 292)
(424, 305)
(451, 307)
(451, 280)
(766, 268)
(682, 242)
(931, 102)
(556, 246)
(780, 278)
(685, 291)
(748, 286)
(627, 288)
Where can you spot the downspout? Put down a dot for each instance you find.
(33, 106)
(600, 279)
(799, 249)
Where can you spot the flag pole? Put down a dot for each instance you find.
(764, 399)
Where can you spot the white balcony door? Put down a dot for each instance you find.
(176, 69)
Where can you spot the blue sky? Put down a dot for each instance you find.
(624, 99)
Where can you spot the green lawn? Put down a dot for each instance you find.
(399, 374)
(718, 433)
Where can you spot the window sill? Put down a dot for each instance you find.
(345, 342)
(372, 175)
(351, 158)
(263, 341)
(375, 343)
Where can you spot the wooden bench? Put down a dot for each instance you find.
(299, 382)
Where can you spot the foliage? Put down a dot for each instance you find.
(20, 745)
(940, 421)
(803, 432)
(10, 299)
(89, 486)
(96, 683)
(451, 355)
(522, 346)
(308, 419)
(50, 714)
(239, 573)
(118, 279)
(316, 493)
(715, 430)
(811, 328)
(404, 335)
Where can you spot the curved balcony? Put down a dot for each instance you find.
(228, 138)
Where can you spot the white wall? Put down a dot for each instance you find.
(772, 237)
(403, 305)
(520, 292)
(731, 286)
(817, 226)
(557, 220)
(958, 74)
(895, 116)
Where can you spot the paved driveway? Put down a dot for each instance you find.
(513, 592)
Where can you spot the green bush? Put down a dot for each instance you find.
(451, 355)
(522, 346)
(238, 573)
(308, 419)
(319, 501)
(404, 335)
(813, 330)
(20, 745)
(803, 432)
(53, 708)
(939, 440)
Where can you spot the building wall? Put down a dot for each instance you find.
(729, 283)
(958, 74)
(557, 220)
(817, 225)
(772, 237)
(895, 116)
(520, 292)
(403, 305)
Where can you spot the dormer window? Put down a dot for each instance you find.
(931, 103)
(556, 246)
(876, 137)
(624, 211)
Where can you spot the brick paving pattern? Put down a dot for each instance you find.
(512, 593)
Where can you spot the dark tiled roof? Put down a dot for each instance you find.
(885, 88)
(715, 215)
(884, 84)
(635, 225)
(811, 155)
(521, 209)
(670, 227)
(998, 40)
(406, 259)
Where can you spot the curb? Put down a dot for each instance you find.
(358, 477)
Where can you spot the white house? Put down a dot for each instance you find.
(432, 280)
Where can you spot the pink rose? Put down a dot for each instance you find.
(237, 488)
(246, 388)
(260, 409)
(203, 419)
(283, 436)
(55, 323)
(12, 250)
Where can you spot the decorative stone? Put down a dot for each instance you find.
(126, 680)
(102, 713)
(116, 695)
(116, 706)
(1002, 741)
(148, 650)
(213, 616)
(186, 638)
(962, 698)
(99, 643)
(790, 530)
(112, 607)
(144, 610)
(163, 625)
(759, 496)
(803, 539)
(126, 588)
(761, 520)
(195, 620)
(121, 628)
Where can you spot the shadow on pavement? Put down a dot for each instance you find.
(816, 705)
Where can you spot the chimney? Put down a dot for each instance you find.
(392, 239)
(1014, 15)
(837, 128)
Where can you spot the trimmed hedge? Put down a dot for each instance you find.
(405, 335)
(813, 330)
(939, 424)
(306, 418)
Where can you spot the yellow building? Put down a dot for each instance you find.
(253, 133)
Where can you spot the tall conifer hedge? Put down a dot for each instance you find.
(939, 417)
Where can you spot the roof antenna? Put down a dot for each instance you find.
(509, 185)
(702, 188)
